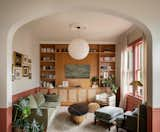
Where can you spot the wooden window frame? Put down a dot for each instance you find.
(135, 56)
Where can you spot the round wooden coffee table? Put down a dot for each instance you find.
(78, 111)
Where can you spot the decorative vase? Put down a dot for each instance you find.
(94, 85)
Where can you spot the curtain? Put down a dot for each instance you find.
(121, 66)
(145, 69)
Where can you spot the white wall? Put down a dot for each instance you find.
(24, 42)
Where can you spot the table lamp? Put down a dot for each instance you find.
(135, 85)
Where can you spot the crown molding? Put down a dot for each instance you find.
(67, 42)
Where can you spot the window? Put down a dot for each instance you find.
(130, 70)
(135, 65)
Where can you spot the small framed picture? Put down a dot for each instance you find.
(17, 59)
(24, 60)
(25, 71)
(17, 73)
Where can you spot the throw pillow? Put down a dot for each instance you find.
(40, 99)
(52, 97)
(32, 102)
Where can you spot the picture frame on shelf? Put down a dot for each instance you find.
(17, 73)
(17, 59)
(25, 71)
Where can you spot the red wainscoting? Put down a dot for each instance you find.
(153, 119)
(24, 94)
(132, 102)
(5, 119)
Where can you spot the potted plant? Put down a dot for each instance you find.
(21, 113)
(94, 81)
(109, 83)
(33, 126)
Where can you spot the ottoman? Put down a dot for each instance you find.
(93, 107)
(78, 111)
(108, 114)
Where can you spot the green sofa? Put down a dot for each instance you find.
(47, 106)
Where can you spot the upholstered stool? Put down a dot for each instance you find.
(93, 107)
(78, 111)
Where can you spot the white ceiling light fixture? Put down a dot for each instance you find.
(78, 48)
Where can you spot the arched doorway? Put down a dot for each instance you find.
(17, 25)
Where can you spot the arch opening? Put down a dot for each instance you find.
(18, 25)
(24, 22)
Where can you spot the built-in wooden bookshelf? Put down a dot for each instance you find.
(47, 63)
(103, 55)
(106, 62)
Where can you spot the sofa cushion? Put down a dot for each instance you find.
(32, 102)
(40, 99)
(108, 112)
(52, 97)
(50, 105)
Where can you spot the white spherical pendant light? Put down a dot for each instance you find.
(78, 49)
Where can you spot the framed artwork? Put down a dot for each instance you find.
(17, 59)
(24, 60)
(30, 68)
(25, 71)
(17, 73)
(77, 71)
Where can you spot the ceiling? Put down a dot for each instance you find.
(99, 27)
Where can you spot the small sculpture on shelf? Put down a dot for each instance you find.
(94, 81)
(45, 84)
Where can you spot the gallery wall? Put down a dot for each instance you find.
(25, 43)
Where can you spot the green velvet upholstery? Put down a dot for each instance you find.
(130, 122)
(40, 99)
(51, 98)
(50, 105)
(32, 102)
(47, 106)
